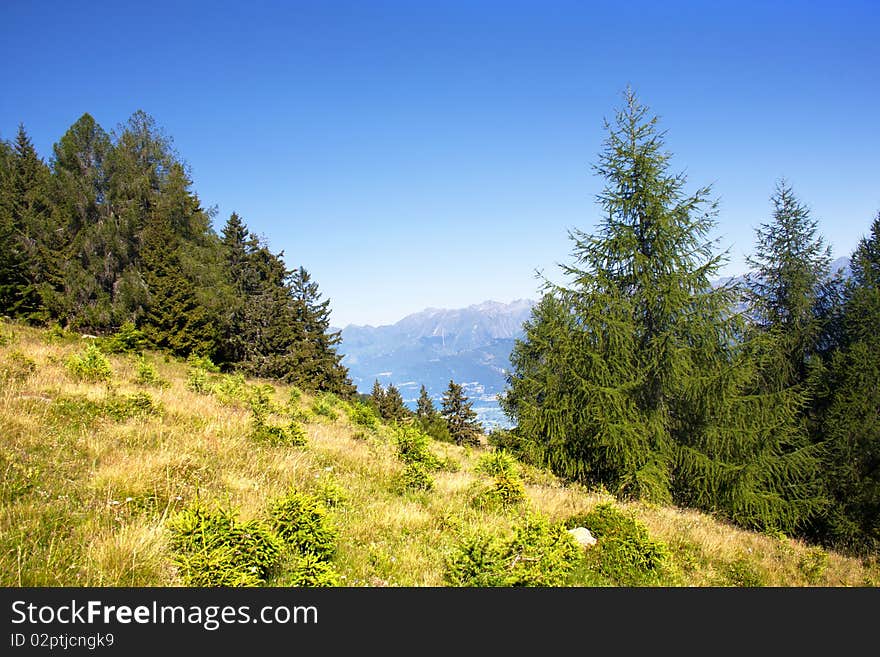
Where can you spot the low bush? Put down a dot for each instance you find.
(138, 405)
(292, 434)
(507, 488)
(538, 554)
(303, 523)
(743, 573)
(127, 339)
(89, 365)
(147, 375)
(16, 367)
(232, 389)
(624, 554)
(362, 415)
(197, 380)
(323, 406)
(213, 548)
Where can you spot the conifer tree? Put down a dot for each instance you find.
(32, 222)
(789, 285)
(393, 408)
(851, 422)
(80, 190)
(429, 419)
(174, 319)
(377, 397)
(13, 261)
(632, 375)
(320, 366)
(424, 406)
(461, 419)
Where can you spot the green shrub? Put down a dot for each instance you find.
(259, 398)
(743, 573)
(202, 362)
(138, 405)
(362, 415)
(538, 554)
(232, 388)
(16, 367)
(213, 548)
(813, 564)
(127, 339)
(294, 397)
(303, 523)
(507, 488)
(328, 491)
(292, 434)
(56, 334)
(412, 447)
(435, 427)
(310, 570)
(416, 476)
(89, 365)
(147, 375)
(197, 381)
(624, 553)
(323, 408)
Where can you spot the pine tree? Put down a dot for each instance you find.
(790, 283)
(429, 419)
(174, 319)
(393, 408)
(424, 406)
(320, 365)
(632, 374)
(377, 397)
(13, 261)
(461, 419)
(32, 225)
(80, 189)
(851, 422)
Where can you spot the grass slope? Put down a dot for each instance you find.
(94, 474)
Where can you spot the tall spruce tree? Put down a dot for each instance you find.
(377, 397)
(14, 279)
(33, 228)
(425, 406)
(393, 408)
(174, 320)
(320, 366)
(461, 419)
(632, 375)
(851, 422)
(789, 286)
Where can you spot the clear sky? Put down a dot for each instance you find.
(416, 154)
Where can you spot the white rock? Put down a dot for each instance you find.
(583, 536)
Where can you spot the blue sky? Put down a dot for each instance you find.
(416, 154)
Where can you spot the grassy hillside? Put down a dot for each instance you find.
(114, 483)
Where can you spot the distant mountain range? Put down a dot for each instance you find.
(468, 345)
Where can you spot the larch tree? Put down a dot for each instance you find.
(632, 373)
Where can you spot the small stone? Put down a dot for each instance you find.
(583, 536)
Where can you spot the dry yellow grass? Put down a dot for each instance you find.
(85, 496)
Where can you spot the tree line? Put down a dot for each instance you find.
(456, 421)
(109, 233)
(757, 401)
